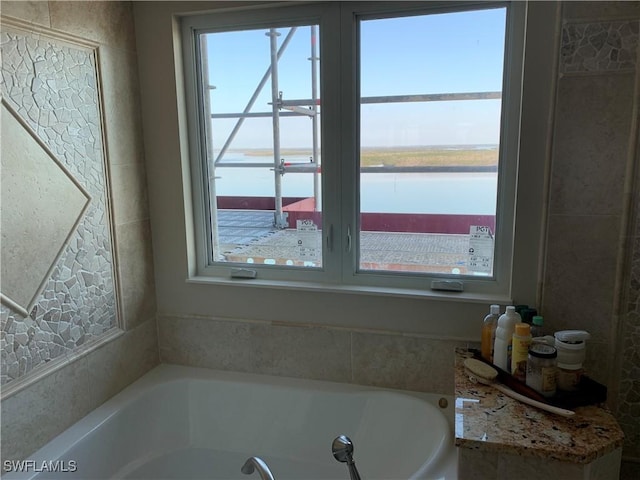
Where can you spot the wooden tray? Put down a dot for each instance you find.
(589, 391)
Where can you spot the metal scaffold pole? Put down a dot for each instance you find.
(252, 100)
(279, 221)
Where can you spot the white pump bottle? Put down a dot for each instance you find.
(504, 337)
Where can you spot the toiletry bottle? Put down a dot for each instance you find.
(527, 314)
(521, 341)
(536, 327)
(504, 337)
(571, 347)
(542, 369)
(489, 332)
(520, 311)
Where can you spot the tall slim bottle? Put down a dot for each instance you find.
(504, 337)
(489, 332)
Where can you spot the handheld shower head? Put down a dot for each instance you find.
(342, 448)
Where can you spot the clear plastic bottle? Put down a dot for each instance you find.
(489, 332)
(520, 351)
(536, 326)
(504, 337)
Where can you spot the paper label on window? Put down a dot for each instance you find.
(480, 249)
(307, 239)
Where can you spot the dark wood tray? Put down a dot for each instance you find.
(589, 392)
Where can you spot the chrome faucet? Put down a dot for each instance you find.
(342, 448)
(256, 463)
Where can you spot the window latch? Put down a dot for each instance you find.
(329, 238)
(243, 273)
(349, 238)
(447, 285)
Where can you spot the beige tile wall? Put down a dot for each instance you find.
(41, 410)
(383, 359)
(588, 271)
(628, 405)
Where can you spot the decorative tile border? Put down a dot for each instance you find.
(599, 47)
(53, 86)
(628, 411)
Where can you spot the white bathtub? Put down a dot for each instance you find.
(190, 423)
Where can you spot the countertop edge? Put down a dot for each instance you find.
(537, 452)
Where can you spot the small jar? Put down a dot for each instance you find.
(569, 377)
(542, 369)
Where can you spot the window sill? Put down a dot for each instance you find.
(467, 297)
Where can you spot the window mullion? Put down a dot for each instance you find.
(331, 128)
(349, 141)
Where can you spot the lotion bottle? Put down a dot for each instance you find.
(504, 337)
(489, 332)
(520, 351)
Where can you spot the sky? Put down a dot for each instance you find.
(440, 53)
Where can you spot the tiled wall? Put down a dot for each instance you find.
(628, 408)
(382, 359)
(628, 401)
(77, 302)
(586, 271)
(50, 400)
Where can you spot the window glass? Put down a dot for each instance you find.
(261, 105)
(389, 163)
(430, 118)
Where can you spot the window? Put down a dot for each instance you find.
(364, 143)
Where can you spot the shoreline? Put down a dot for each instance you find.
(406, 158)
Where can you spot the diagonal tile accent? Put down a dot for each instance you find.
(41, 205)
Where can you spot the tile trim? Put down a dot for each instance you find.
(49, 368)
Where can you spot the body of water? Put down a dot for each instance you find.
(442, 193)
(436, 193)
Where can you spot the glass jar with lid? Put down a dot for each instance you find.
(542, 369)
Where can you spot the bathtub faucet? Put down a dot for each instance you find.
(342, 448)
(256, 463)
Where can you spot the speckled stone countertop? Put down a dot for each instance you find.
(486, 419)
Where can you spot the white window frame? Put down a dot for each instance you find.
(339, 93)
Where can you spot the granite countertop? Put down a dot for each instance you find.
(486, 419)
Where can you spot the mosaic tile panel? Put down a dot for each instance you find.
(53, 206)
(629, 398)
(53, 87)
(599, 47)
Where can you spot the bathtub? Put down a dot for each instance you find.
(191, 423)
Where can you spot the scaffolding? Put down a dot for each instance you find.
(293, 108)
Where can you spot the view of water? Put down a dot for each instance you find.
(437, 193)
